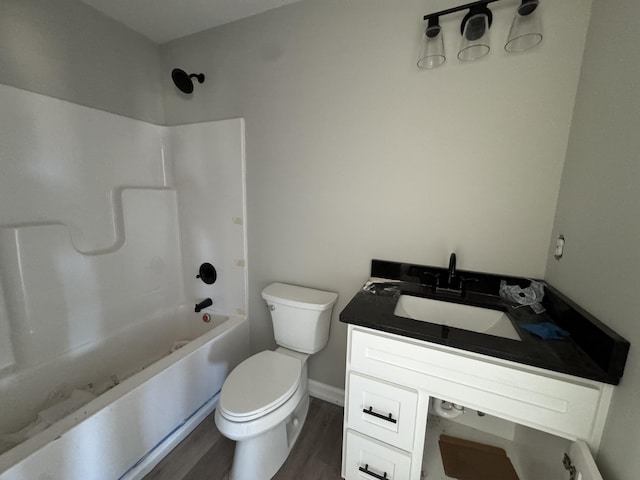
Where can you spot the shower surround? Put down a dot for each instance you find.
(104, 221)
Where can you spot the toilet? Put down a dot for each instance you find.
(264, 400)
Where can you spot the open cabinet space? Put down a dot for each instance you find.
(534, 454)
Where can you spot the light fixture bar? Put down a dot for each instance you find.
(457, 9)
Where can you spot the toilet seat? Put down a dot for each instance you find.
(259, 385)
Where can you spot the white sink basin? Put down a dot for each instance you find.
(466, 317)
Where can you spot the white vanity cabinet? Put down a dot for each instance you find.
(386, 425)
(390, 379)
(384, 411)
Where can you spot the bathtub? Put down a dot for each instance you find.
(148, 408)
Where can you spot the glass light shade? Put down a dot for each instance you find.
(475, 38)
(432, 49)
(526, 30)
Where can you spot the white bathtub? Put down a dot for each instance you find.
(127, 429)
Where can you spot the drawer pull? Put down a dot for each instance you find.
(388, 418)
(366, 470)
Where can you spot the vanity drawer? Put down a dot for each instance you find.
(551, 402)
(382, 410)
(368, 459)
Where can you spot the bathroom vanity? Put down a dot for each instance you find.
(397, 360)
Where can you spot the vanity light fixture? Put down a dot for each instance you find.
(525, 32)
(475, 33)
(526, 28)
(432, 48)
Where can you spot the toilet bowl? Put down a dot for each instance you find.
(264, 401)
(250, 405)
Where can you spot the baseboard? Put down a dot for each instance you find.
(326, 392)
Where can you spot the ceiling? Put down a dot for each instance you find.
(165, 20)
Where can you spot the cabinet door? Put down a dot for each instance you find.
(581, 463)
(368, 459)
(382, 410)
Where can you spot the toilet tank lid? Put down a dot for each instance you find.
(301, 297)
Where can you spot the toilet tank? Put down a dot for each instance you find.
(301, 316)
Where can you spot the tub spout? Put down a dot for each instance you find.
(207, 302)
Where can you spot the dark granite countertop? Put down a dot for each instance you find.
(592, 350)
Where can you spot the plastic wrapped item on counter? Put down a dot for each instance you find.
(528, 296)
(381, 286)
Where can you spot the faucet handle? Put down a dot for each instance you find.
(422, 273)
(435, 276)
(463, 281)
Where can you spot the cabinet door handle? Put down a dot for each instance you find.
(388, 418)
(366, 470)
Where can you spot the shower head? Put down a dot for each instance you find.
(183, 80)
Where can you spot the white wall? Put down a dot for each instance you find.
(354, 154)
(598, 211)
(68, 50)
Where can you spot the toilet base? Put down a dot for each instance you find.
(259, 458)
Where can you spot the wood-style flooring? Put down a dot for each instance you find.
(206, 455)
